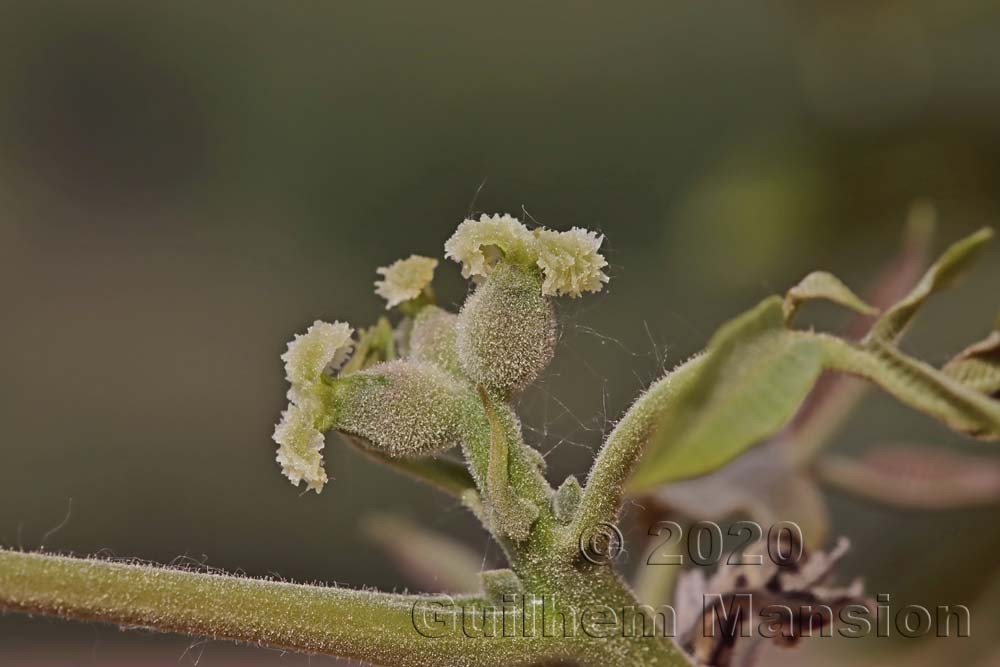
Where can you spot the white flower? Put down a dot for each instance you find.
(300, 446)
(570, 262)
(404, 279)
(323, 346)
(475, 244)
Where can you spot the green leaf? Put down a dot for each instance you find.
(945, 272)
(978, 366)
(755, 378)
(916, 384)
(823, 285)
(835, 396)
(445, 474)
(756, 375)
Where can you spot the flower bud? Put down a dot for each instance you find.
(401, 408)
(432, 339)
(506, 331)
(566, 500)
(497, 584)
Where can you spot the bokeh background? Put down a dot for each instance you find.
(184, 185)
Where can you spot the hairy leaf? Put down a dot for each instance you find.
(942, 274)
(835, 396)
(757, 374)
(978, 366)
(755, 378)
(916, 384)
(823, 285)
(444, 474)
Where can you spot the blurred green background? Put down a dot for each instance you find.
(184, 185)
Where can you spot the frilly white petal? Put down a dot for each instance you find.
(570, 262)
(404, 279)
(300, 446)
(323, 346)
(475, 242)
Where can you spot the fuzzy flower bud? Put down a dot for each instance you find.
(402, 408)
(404, 279)
(506, 330)
(432, 339)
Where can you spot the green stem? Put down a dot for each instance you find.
(372, 627)
(513, 514)
(512, 487)
(376, 628)
(604, 495)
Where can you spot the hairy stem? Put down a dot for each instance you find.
(510, 482)
(603, 496)
(374, 627)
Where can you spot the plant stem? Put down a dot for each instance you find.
(513, 477)
(360, 625)
(605, 490)
(376, 628)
